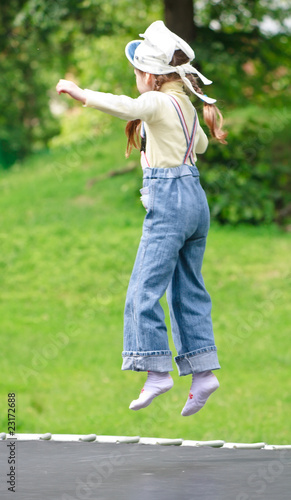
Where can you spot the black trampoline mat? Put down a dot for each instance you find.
(50, 470)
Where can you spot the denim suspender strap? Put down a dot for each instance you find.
(189, 139)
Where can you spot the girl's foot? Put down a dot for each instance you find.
(203, 384)
(157, 383)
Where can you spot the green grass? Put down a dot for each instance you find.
(66, 257)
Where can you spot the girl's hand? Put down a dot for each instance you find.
(72, 89)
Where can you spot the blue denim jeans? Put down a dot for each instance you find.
(169, 259)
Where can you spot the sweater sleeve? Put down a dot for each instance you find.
(144, 107)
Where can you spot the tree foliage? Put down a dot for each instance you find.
(38, 43)
(84, 40)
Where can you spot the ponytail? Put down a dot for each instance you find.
(210, 114)
(132, 131)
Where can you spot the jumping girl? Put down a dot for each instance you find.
(170, 254)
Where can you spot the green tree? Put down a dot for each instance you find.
(41, 41)
(38, 42)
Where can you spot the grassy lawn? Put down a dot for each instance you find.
(66, 256)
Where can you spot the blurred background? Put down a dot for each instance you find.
(243, 46)
(71, 217)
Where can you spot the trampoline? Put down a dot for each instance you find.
(77, 470)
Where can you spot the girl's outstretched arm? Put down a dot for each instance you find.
(72, 89)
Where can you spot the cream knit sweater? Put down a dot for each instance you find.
(166, 143)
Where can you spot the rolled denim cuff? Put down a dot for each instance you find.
(156, 361)
(198, 361)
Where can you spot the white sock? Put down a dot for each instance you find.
(157, 383)
(203, 384)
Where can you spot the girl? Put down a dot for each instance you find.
(170, 254)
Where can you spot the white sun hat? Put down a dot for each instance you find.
(154, 54)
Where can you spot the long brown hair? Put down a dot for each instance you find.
(211, 114)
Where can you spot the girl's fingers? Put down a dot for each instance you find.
(61, 90)
(70, 88)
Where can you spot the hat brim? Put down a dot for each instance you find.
(130, 50)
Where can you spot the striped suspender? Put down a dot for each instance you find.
(189, 139)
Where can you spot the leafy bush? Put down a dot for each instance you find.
(248, 180)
